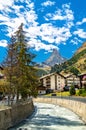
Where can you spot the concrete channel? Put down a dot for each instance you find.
(51, 117)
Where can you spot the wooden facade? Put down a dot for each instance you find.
(73, 80)
(83, 80)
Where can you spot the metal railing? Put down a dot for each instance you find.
(4, 102)
(80, 99)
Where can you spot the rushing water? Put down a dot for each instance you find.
(51, 117)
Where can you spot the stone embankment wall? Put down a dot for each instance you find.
(78, 107)
(10, 116)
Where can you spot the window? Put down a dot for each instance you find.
(58, 80)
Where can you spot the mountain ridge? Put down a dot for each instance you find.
(81, 48)
(77, 64)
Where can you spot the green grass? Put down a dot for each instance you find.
(81, 92)
(65, 93)
(60, 94)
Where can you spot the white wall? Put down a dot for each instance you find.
(53, 82)
(44, 82)
(41, 92)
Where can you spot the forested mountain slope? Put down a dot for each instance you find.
(77, 64)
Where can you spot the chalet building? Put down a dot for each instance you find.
(53, 81)
(41, 90)
(83, 80)
(73, 80)
(56, 82)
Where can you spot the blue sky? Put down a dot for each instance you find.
(49, 24)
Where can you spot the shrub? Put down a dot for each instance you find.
(24, 93)
(72, 90)
(82, 92)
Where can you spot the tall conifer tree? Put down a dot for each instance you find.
(22, 72)
(10, 63)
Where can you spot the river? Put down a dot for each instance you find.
(51, 117)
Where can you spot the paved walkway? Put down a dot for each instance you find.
(51, 117)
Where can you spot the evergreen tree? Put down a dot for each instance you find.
(72, 90)
(22, 73)
(74, 70)
(27, 78)
(10, 63)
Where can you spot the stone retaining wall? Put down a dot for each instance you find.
(78, 107)
(10, 116)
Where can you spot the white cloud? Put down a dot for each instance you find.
(3, 19)
(27, 17)
(42, 36)
(3, 43)
(47, 33)
(83, 21)
(80, 33)
(62, 14)
(5, 3)
(65, 14)
(76, 41)
(38, 45)
(54, 35)
(48, 3)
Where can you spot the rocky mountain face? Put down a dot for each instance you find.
(55, 58)
(76, 64)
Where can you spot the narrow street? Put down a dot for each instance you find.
(51, 117)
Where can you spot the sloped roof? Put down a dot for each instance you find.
(71, 75)
(50, 74)
(82, 74)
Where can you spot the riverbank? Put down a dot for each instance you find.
(76, 106)
(51, 117)
(11, 116)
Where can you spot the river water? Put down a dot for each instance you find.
(51, 117)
